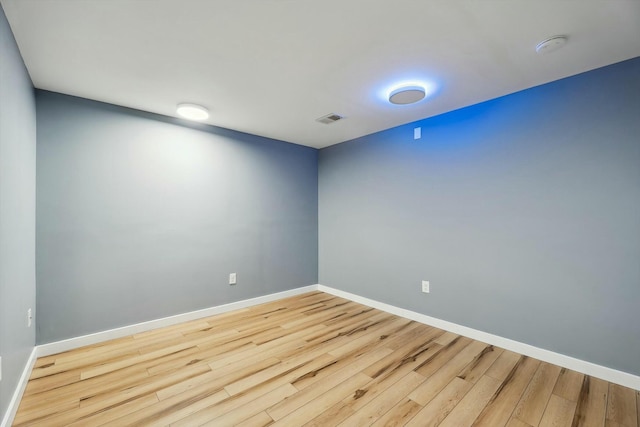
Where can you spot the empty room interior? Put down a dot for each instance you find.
(338, 213)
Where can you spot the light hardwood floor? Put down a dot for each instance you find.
(314, 360)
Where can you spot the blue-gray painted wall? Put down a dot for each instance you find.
(17, 213)
(141, 217)
(522, 212)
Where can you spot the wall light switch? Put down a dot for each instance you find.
(232, 279)
(417, 133)
(29, 318)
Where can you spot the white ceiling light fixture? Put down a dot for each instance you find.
(551, 44)
(409, 94)
(192, 112)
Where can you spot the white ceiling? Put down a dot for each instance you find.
(271, 67)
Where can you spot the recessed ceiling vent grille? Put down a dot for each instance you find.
(330, 118)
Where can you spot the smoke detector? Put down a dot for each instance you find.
(551, 44)
(329, 118)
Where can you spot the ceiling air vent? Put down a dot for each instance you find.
(330, 118)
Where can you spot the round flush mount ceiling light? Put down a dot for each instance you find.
(192, 112)
(408, 94)
(551, 44)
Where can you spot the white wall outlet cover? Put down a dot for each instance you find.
(29, 318)
(425, 286)
(232, 279)
(417, 133)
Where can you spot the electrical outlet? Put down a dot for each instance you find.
(0, 368)
(425, 286)
(29, 318)
(232, 279)
(417, 133)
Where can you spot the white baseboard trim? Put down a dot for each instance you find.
(588, 368)
(73, 343)
(19, 391)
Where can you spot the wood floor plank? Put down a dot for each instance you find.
(106, 401)
(149, 383)
(479, 365)
(440, 406)
(40, 414)
(409, 356)
(569, 384)
(503, 402)
(380, 329)
(438, 381)
(167, 353)
(472, 403)
(46, 360)
(291, 365)
(535, 397)
(193, 338)
(254, 407)
(514, 422)
(317, 360)
(611, 423)
(254, 354)
(621, 406)
(443, 356)
(401, 360)
(638, 406)
(51, 382)
(332, 415)
(592, 403)
(96, 348)
(335, 343)
(352, 316)
(503, 365)
(261, 419)
(310, 410)
(347, 328)
(368, 413)
(55, 368)
(282, 331)
(386, 374)
(447, 338)
(273, 319)
(101, 353)
(413, 334)
(308, 394)
(174, 408)
(397, 336)
(559, 412)
(54, 400)
(320, 316)
(399, 414)
(116, 412)
(168, 330)
(226, 405)
(353, 324)
(201, 356)
(221, 381)
(81, 390)
(192, 394)
(216, 379)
